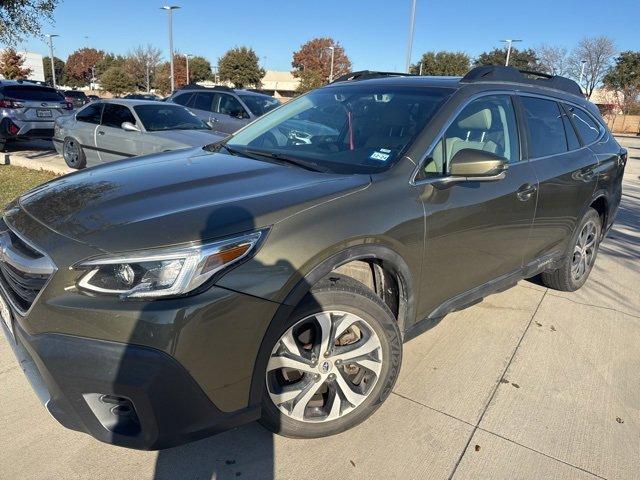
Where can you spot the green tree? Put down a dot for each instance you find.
(58, 64)
(11, 65)
(624, 79)
(521, 59)
(240, 66)
(312, 63)
(117, 81)
(442, 63)
(199, 69)
(106, 62)
(23, 18)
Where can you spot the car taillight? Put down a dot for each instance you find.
(13, 129)
(10, 104)
(67, 106)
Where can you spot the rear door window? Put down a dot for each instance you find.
(32, 92)
(546, 129)
(115, 115)
(203, 101)
(90, 114)
(586, 126)
(183, 99)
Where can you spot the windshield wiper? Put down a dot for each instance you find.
(314, 167)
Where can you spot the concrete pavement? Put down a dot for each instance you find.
(529, 384)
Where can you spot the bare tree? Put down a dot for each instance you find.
(554, 60)
(597, 53)
(141, 64)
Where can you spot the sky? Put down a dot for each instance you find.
(374, 33)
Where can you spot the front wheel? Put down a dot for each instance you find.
(581, 257)
(73, 154)
(334, 364)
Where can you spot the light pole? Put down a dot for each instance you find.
(510, 43)
(584, 63)
(53, 69)
(412, 25)
(333, 50)
(170, 9)
(187, 56)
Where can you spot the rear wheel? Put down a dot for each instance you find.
(334, 364)
(73, 154)
(581, 257)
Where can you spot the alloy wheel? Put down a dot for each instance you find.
(324, 366)
(584, 250)
(71, 151)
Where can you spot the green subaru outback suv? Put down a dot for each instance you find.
(275, 275)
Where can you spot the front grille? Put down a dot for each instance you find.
(23, 270)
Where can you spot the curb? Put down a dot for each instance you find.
(45, 163)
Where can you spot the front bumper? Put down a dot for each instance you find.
(126, 395)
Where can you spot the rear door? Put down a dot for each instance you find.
(565, 169)
(476, 230)
(114, 143)
(202, 105)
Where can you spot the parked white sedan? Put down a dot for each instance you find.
(109, 130)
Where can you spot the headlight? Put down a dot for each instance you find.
(163, 272)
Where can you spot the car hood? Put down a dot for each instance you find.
(188, 138)
(176, 197)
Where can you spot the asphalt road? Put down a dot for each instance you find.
(529, 384)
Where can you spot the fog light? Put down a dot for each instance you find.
(13, 129)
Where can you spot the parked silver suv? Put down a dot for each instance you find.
(28, 110)
(226, 110)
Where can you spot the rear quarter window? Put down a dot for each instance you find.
(587, 127)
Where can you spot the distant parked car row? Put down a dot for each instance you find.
(139, 124)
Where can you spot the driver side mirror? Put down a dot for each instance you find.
(129, 127)
(477, 165)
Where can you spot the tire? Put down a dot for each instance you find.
(568, 278)
(73, 153)
(354, 310)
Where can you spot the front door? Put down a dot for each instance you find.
(230, 116)
(477, 230)
(112, 142)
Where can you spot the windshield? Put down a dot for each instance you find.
(346, 128)
(32, 92)
(74, 94)
(260, 104)
(168, 117)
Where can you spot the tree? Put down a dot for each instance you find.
(597, 53)
(117, 81)
(58, 64)
(11, 65)
(80, 66)
(553, 60)
(442, 63)
(141, 64)
(521, 59)
(163, 74)
(199, 69)
(240, 66)
(20, 18)
(624, 79)
(312, 63)
(106, 62)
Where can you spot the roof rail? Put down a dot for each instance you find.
(366, 74)
(195, 86)
(499, 73)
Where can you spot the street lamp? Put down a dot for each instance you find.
(510, 43)
(188, 56)
(412, 25)
(170, 9)
(53, 69)
(584, 63)
(333, 50)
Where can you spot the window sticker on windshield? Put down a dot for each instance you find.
(381, 155)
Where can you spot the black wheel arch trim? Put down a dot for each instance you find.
(391, 260)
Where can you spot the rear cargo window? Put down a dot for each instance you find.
(32, 92)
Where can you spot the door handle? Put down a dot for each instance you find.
(213, 120)
(526, 191)
(100, 132)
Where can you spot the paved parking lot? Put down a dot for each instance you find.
(530, 383)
